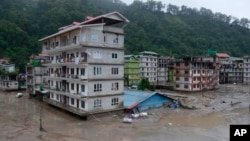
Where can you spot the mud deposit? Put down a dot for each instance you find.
(20, 120)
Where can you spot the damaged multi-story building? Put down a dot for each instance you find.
(231, 69)
(196, 73)
(86, 65)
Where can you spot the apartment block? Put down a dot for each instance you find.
(235, 70)
(85, 70)
(246, 71)
(35, 72)
(148, 66)
(196, 73)
(131, 70)
(164, 71)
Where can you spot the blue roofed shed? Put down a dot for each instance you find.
(144, 100)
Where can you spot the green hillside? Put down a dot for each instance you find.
(177, 32)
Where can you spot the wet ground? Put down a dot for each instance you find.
(20, 120)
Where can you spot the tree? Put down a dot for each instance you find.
(144, 84)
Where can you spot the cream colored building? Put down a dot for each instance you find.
(148, 66)
(86, 66)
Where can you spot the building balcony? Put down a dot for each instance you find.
(66, 107)
(67, 92)
(64, 61)
(63, 76)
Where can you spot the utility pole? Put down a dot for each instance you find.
(40, 119)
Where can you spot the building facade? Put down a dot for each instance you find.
(86, 65)
(131, 70)
(246, 71)
(35, 72)
(231, 69)
(164, 69)
(148, 66)
(8, 76)
(235, 70)
(196, 73)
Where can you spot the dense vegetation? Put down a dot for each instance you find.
(178, 31)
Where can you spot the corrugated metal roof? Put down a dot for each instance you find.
(134, 97)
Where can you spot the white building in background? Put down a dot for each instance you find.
(86, 66)
(148, 66)
(246, 71)
(9, 80)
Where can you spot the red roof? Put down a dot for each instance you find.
(89, 18)
(223, 55)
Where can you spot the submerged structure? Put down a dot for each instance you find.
(85, 70)
(196, 73)
(8, 75)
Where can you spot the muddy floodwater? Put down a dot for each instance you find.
(20, 120)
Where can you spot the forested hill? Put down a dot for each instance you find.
(178, 31)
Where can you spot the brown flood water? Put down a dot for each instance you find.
(19, 121)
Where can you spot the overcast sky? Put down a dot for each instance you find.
(236, 8)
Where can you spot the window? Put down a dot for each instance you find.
(97, 87)
(115, 40)
(94, 38)
(82, 88)
(83, 104)
(177, 86)
(186, 86)
(114, 71)
(177, 78)
(72, 101)
(72, 71)
(97, 71)
(186, 72)
(57, 97)
(82, 71)
(114, 55)
(97, 103)
(177, 64)
(97, 54)
(52, 95)
(72, 87)
(115, 86)
(186, 78)
(114, 101)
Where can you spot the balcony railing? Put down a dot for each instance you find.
(64, 75)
